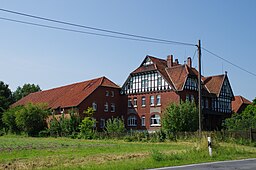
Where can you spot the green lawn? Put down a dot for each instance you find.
(17, 152)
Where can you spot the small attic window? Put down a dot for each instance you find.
(147, 62)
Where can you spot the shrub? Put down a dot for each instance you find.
(31, 118)
(180, 117)
(115, 126)
(87, 125)
(8, 119)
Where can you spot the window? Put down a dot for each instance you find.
(135, 102)
(143, 121)
(94, 106)
(112, 107)
(206, 103)
(129, 102)
(102, 123)
(107, 93)
(132, 120)
(62, 110)
(187, 97)
(155, 120)
(158, 100)
(152, 101)
(106, 107)
(159, 81)
(112, 94)
(192, 98)
(143, 101)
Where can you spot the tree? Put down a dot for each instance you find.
(243, 121)
(5, 99)
(32, 118)
(25, 90)
(9, 117)
(115, 126)
(88, 124)
(180, 117)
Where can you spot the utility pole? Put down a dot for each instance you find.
(199, 90)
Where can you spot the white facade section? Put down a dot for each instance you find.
(147, 82)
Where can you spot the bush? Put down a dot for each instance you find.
(31, 118)
(180, 117)
(115, 126)
(8, 119)
(87, 125)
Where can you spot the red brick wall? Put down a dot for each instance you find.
(166, 98)
(100, 98)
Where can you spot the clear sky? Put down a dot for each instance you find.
(52, 58)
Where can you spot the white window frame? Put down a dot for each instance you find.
(106, 107)
(112, 107)
(94, 106)
(129, 102)
(143, 121)
(152, 100)
(158, 100)
(143, 101)
(132, 120)
(107, 93)
(155, 120)
(135, 102)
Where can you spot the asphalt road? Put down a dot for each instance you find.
(246, 164)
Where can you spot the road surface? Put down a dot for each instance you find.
(245, 164)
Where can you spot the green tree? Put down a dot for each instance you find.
(243, 121)
(32, 118)
(88, 124)
(25, 90)
(5, 100)
(180, 117)
(9, 117)
(115, 126)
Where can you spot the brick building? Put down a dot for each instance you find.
(101, 94)
(157, 82)
(239, 104)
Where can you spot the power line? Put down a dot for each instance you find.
(229, 62)
(78, 31)
(97, 29)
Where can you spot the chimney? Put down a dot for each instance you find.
(169, 61)
(176, 61)
(189, 62)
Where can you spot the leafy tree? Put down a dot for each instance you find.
(88, 124)
(31, 118)
(25, 90)
(180, 117)
(115, 126)
(243, 121)
(5, 99)
(9, 117)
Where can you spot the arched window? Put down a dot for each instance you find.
(155, 120)
(132, 120)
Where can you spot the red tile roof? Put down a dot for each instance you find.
(177, 75)
(66, 96)
(238, 102)
(214, 83)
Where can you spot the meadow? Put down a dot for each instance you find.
(20, 152)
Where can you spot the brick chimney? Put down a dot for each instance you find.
(176, 61)
(169, 61)
(189, 62)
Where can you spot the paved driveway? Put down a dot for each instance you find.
(246, 164)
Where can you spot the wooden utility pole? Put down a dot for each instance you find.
(199, 90)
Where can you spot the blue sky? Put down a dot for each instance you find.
(53, 58)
